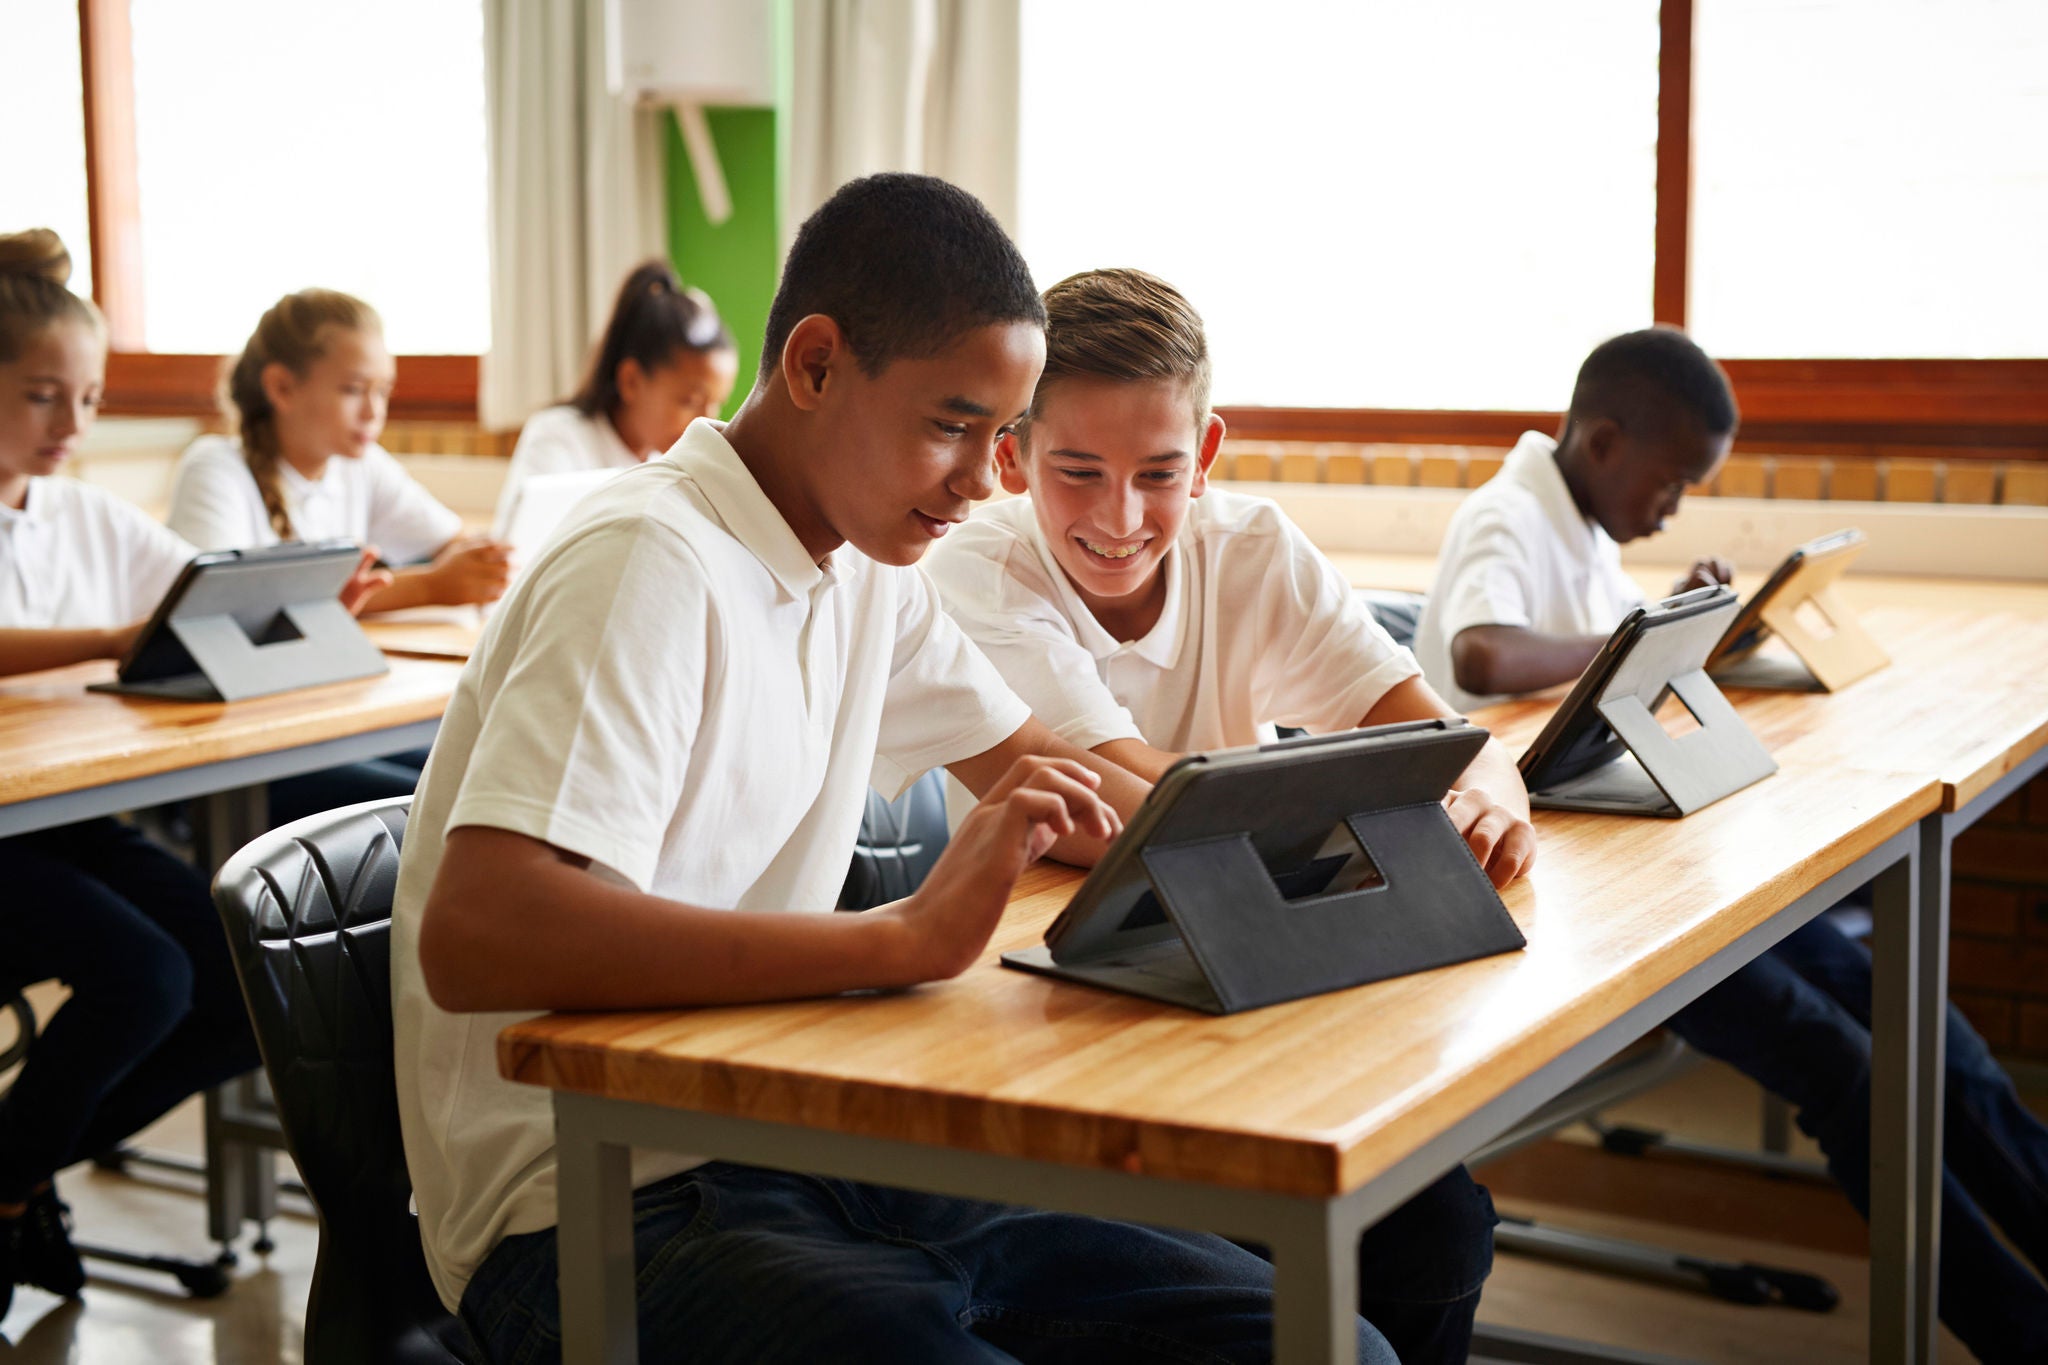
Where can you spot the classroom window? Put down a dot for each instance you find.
(1870, 178)
(42, 157)
(287, 145)
(1406, 206)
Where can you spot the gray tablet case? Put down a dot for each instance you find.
(246, 623)
(1604, 749)
(1252, 877)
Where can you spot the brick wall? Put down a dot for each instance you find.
(1998, 948)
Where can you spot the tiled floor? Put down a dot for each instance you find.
(128, 1318)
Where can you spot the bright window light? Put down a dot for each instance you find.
(282, 145)
(42, 173)
(1871, 178)
(1410, 206)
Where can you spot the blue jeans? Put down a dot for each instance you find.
(751, 1266)
(155, 1012)
(294, 798)
(1797, 1020)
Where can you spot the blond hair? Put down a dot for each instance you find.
(291, 334)
(1125, 326)
(35, 270)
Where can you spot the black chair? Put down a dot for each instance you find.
(898, 843)
(308, 914)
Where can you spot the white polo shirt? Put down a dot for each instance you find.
(77, 557)
(1257, 627)
(678, 693)
(560, 440)
(1520, 553)
(216, 505)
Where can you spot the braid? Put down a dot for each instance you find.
(244, 396)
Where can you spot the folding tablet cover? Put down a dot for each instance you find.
(1294, 869)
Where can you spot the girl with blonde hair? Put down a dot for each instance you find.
(155, 1013)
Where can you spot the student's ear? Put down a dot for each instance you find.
(1010, 464)
(814, 349)
(1212, 445)
(1602, 438)
(279, 383)
(630, 380)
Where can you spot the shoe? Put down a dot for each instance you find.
(44, 1256)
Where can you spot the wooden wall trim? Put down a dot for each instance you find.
(147, 384)
(1672, 263)
(106, 52)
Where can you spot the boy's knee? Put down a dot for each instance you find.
(1436, 1247)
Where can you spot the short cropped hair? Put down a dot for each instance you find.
(1127, 326)
(905, 264)
(1642, 379)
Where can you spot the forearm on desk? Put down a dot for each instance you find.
(31, 651)
(1508, 660)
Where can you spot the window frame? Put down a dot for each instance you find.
(141, 382)
(1985, 407)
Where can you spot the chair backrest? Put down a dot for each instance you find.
(899, 841)
(308, 914)
(24, 1030)
(1399, 613)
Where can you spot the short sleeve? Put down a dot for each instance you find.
(945, 700)
(1000, 595)
(588, 735)
(406, 524)
(155, 557)
(1494, 582)
(547, 445)
(214, 502)
(1322, 661)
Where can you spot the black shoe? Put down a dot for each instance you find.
(44, 1256)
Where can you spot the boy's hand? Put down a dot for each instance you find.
(471, 570)
(950, 917)
(1705, 574)
(1502, 841)
(364, 582)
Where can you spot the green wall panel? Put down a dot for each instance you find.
(736, 261)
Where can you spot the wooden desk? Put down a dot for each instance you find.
(1965, 702)
(1297, 1125)
(72, 755)
(427, 632)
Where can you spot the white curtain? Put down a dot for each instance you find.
(903, 85)
(578, 196)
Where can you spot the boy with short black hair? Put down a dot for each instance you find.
(663, 745)
(1529, 581)
(1144, 614)
(1528, 588)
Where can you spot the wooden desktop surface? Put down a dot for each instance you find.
(426, 632)
(1312, 1098)
(57, 737)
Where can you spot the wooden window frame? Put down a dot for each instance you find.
(1991, 408)
(141, 382)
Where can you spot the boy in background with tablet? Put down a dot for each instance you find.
(1144, 615)
(657, 759)
(1527, 590)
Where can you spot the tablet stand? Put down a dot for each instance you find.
(306, 644)
(1831, 661)
(1255, 946)
(1668, 776)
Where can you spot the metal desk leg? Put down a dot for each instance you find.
(1937, 833)
(594, 1242)
(1315, 1287)
(241, 1177)
(1905, 1104)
